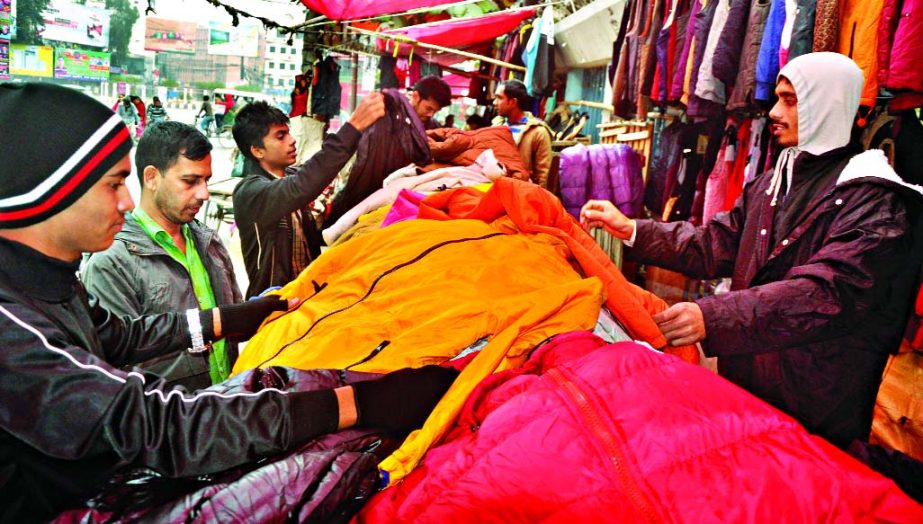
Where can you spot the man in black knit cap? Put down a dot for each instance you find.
(69, 418)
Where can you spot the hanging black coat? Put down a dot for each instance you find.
(325, 99)
(391, 143)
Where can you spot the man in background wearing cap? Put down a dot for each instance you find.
(166, 260)
(69, 419)
(821, 256)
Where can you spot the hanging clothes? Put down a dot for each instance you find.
(858, 40)
(325, 97)
(716, 187)
(767, 65)
(743, 95)
(647, 56)
(538, 55)
(664, 166)
(697, 107)
(791, 7)
(679, 76)
(395, 140)
(726, 59)
(709, 87)
(803, 29)
(826, 25)
(386, 77)
(736, 177)
(900, 61)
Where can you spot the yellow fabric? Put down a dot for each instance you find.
(436, 288)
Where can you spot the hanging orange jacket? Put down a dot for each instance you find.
(534, 210)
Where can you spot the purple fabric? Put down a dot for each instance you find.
(574, 172)
(601, 172)
(663, 67)
(405, 207)
(679, 76)
(327, 479)
(625, 176)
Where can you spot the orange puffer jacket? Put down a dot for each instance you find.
(420, 292)
(534, 210)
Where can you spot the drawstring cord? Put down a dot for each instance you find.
(784, 166)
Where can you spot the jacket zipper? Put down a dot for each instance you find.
(371, 288)
(593, 421)
(370, 356)
(259, 246)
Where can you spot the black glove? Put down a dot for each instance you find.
(240, 321)
(401, 401)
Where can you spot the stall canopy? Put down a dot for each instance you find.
(352, 9)
(465, 33)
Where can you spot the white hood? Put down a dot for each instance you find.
(828, 86)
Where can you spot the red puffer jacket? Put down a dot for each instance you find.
(619, 433)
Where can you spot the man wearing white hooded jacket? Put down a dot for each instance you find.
(821, 256)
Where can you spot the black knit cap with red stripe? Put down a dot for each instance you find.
(55, 143)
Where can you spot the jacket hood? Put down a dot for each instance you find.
(828, 87)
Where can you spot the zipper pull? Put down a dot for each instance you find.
(377, 350)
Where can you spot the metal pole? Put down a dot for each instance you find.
(355, 86)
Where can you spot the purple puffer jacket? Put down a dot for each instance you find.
(574, 172)
(625, 181)
(326, 480)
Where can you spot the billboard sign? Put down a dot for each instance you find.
(80, 64)
(6, 26)
(75, 23)
(172, 36)
(4, 61)
(225, 39)
(31, 60)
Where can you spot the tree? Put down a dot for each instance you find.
(30, 20)
(123, 16)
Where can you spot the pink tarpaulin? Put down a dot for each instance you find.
(351, 9)
(463, 33)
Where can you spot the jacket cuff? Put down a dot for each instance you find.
(710, 314)
(313, 413)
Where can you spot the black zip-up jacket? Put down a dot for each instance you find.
(263, 205)
(69, 418)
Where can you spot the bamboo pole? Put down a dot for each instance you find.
(405, 40)
(594, 105)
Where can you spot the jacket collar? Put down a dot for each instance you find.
(36, 274)
(139, 243)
